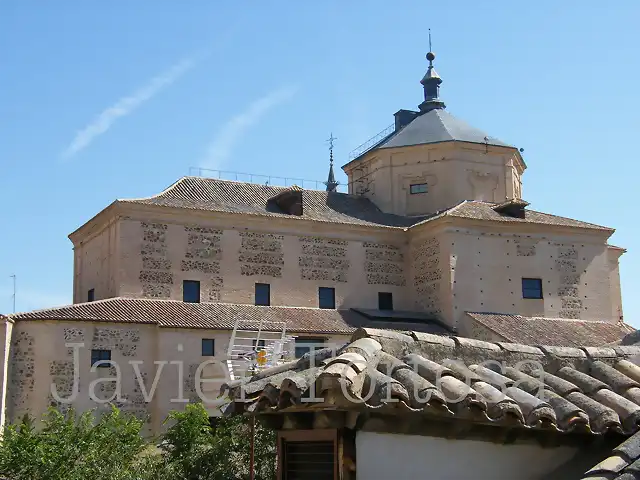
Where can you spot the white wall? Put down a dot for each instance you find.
(411, 457)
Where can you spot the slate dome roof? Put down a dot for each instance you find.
(437, 126)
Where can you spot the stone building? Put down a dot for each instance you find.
(432, 236)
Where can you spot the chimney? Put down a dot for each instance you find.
(404, 118)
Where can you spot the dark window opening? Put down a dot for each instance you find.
(100, 356)
(191, 291)
(91, 295)
(260, 344)
(208, 347)
(326, 297)
(418, 188)
(307, 345)
(531, 288)
(385, 301)
(263, 294)
(305, 455)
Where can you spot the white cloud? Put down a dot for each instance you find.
(126, 105)
(221, 147)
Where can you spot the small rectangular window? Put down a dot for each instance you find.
(263, 294)
(91, 295)
(385, 301)
(208, 347)
(100, 356)
(310, 454)
(531, 288)
(308, 344)
(191, 291)
(260, 344)
(326, 297)
(418, 188)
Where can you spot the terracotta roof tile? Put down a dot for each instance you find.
(210, 194)
(399, 375)
(485, 211)
(552, 331)
(623, 464)
(222, 316)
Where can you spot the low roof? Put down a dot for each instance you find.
(223, 316)
(552, 331)
(210, 194)
(417, 378)
(475, 210)
(437, 126)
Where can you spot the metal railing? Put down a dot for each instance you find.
(271, 180)
(372, 142)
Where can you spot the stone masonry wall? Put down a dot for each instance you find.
(155, 276)
(323, 259)
(427, 274)
(384, 264)
(261, 254)
(203, 254)
(22, 373)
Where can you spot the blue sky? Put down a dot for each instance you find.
(105, 100)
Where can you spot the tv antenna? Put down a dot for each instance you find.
(14, 292)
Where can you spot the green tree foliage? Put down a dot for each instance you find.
(80, 447)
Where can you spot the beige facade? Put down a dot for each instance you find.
(445, 266)
(452, 171)
(57, 355)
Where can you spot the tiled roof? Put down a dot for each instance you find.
(623, 464)
(211, 194)
(221, 316)
(485, 211)
(437, 126)
(552, 331)
(418, 376)
(250, 198)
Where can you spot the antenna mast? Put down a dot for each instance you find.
(14, 292)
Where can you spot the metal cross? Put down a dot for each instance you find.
(330, 141)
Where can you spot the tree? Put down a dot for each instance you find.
(195, 451)
(72, 447)
(79, 447)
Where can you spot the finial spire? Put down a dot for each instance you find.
(331, 182)
(431, 84)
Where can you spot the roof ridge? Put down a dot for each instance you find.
(569, 218)
(156, 195)
(58, 307)
(464, 343)
(438, 111)
(537, 317)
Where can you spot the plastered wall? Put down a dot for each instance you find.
(95, 265)
(157, 256)
(40, 357)
(382, 456)
(453, 173)
(486, 270)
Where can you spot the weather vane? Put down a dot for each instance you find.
(429, 39)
